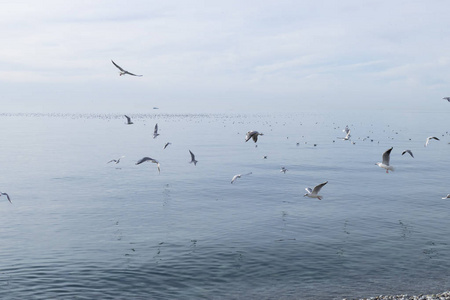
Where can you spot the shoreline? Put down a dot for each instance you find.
(437, 296)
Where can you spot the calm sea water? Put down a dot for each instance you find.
(80, 228)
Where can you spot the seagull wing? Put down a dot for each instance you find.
(318, 187)
(112, 160)
(144, 159)
(309, 190)
(128, 118)
(249, 135)
(118, 67)
(156, 129)
(235, 177)
(386, 156)
(132, 74)
(192, 155)
(7, 196)
(408, 151)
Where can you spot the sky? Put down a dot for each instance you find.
(223, 56)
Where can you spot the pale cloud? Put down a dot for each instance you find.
(237, 51)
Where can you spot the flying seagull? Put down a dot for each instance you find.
(155, 132)
(313, 193)
(128, 120)
(447, 98)
(347, 137)
(167, 144)
(115, 160)
(7, 196)
(122, 71)
(193, 158)
(144, 159)
(408, 151)
(239, 176)
(283, 170)
(385, 163)
(253, 134)
(446, 197)
(430, 138)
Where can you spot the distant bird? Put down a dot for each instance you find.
(347, 137)
(115, 160)
(155, 131)
(446, 197)
(128, 120)
(167, 144)
(313, 193)
(408, 151)
(283, 170)
(447, 98)
(193, 158)
(253, 134)
(122, 71)
(239, 176)
(144, 159)
(385, 163)
(430, 138)
(7, 196)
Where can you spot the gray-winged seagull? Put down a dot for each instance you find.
(430, 138)
(122, 71)
(239, 176)
(253, 134)
(193, 158)
(385, 163)
(408, 151)
(314, 193)
(144, 159)
(7, 196)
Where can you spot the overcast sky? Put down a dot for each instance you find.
(223, 56)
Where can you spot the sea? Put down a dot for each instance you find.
(79, 227)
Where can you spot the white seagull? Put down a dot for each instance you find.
(430, 138)
(447, 98)
(283, 170)
(446, 197)
(385, 163)
(167, 144)
(313, 193)
(253, 134)
(192, 158)
(128, 120)
(144, 159)
(408, 151)
(115, 160)
(122, 71)
(239, 176)
(155, 132)
(347, 137)
(7, 196)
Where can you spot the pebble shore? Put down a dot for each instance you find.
(439, 296)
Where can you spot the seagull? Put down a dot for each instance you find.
(7, 196)
(193, 158)
(347, 137)
(167, 144)
(253, 134)
(313, 193)
(115, 160)
(155, 132)
(144, 159)
(283, 170)
(128, 120)
(430, 138)
(385, 163)
(239, 176)
(408, 151)
(446, 197)
(447, 98)
(122, 71)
